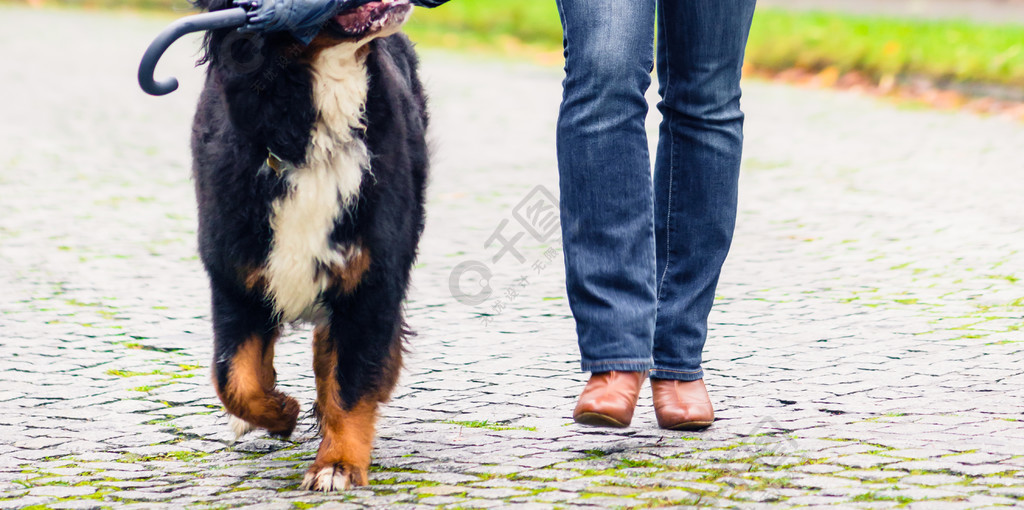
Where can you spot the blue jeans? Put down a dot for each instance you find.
(643, 257)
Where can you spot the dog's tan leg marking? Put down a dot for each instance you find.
(347, 277)
(250, 394)
(254, 279)
(392, 367)
(343, 459)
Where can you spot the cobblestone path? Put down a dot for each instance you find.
(866, 349)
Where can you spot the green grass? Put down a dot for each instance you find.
(529, 21)
(523, 29)
(943, 50)
(779, 39)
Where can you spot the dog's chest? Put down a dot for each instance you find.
(302, 256)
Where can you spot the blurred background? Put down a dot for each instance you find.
(945, 53)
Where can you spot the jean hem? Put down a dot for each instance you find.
(677, 375)
(618, 366)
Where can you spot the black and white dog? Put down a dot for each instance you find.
(310, 165)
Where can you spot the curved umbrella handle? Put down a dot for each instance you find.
(235, 17)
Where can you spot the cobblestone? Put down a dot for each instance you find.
(865, 350)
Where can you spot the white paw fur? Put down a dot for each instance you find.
(239, 426)
(328, 479)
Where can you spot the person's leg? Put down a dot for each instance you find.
(605, 181)
(700, 57)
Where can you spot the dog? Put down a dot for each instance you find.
(310, 165)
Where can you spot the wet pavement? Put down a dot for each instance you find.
(866, 348)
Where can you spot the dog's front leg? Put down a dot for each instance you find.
(343, 459)
(243, 370)
(356, 361)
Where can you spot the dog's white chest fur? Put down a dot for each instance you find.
(303, 219)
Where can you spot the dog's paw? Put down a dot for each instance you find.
(239, 426)
(337, 477)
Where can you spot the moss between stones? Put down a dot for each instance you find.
(874, 496)
(487, 425)
(382, 469)
(181, 456)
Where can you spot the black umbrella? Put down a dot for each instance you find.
(207, 21)
(226, 18)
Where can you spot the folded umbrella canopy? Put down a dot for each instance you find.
(303, 18)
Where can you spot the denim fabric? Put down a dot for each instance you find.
(643, 255)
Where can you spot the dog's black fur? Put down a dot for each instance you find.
(258, 99)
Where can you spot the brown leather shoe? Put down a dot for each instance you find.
(682, 405)
(609, 399)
